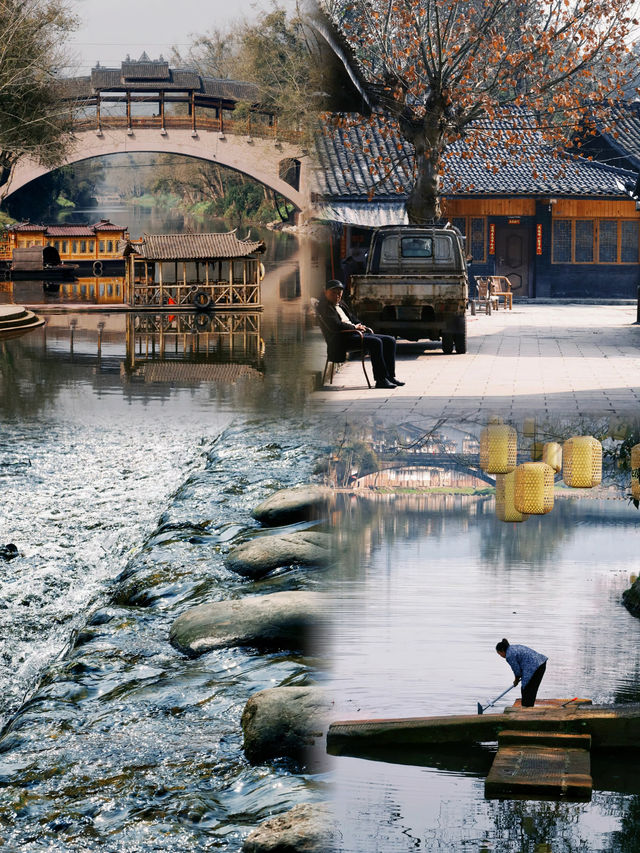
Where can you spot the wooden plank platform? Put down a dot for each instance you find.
(512, 737)
(615, 726)
(521, 771)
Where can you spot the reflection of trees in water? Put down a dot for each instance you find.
(370, 522)
(536, 827)
(627, 838)
(28, 383)
(534, 541)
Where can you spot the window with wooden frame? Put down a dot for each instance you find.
(474, 228)
(595, 241)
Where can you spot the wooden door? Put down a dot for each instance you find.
(512, 257)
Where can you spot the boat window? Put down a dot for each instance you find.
(83, 247)
(101, 245)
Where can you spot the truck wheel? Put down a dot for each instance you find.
(447, 344)
(460, 340)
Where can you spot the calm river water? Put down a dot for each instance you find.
(126, 473)
(431, 585)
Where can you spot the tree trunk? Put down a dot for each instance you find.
(423, 203)
(426, 135)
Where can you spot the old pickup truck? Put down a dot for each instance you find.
(415, 285)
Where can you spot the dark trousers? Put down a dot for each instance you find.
(530, 692)
(381, 349)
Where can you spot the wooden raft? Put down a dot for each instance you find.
(541, 765)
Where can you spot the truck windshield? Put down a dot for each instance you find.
(417, 247)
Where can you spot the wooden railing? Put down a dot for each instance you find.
(238, 127)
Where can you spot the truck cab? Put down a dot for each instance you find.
(415, 286)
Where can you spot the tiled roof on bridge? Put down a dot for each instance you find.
(344, 155)
(154, 75)
(195, 247)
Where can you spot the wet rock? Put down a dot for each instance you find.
(8, 552)
(631, 598)
(300, 503)
(260, 556)
(283, 620)
(286, 722)
(306, 828)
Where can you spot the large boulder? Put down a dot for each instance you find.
(262, 555)
(286, 722)
(283, 620)
(631, 598)
(300, 503)
(307, 828)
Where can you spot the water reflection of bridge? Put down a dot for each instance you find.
(224, 346)
(428, 470)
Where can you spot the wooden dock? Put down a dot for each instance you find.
(610, 726)
(541, 765)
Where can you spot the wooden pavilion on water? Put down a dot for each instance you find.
(183, 271)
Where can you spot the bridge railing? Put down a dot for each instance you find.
(240, 127)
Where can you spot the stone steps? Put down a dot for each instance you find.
(16, 320)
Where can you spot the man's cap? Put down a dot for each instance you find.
(334, 284)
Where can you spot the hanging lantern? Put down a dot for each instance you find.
(635, 471)
(505, 496)
(529, 427)
(534, 488)
(498, 448)
(582, 462)
(552, 455)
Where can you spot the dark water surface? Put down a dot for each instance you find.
(431, 585)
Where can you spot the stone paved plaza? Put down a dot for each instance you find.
(544, 360)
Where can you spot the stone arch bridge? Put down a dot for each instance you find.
(145, 106)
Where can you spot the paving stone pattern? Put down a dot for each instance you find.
(537, 359)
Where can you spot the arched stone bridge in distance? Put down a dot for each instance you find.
(146, 107)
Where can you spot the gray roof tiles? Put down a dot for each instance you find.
(490, 168)
(177, 247)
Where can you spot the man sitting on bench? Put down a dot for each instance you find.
(340, 320)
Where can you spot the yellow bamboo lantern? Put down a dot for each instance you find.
(635, 471)
(505, 496)
(582, 462)
(552, 455)
(534, 488)
(529, 427)
(498, 448)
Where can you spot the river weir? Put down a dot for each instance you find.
(133, 452)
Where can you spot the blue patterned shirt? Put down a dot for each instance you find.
(524, 662)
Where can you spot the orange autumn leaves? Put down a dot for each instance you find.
(436, 67)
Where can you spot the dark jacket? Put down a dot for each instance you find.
(334, 328)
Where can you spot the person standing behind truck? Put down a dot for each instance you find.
(339, 320)
(528, 667)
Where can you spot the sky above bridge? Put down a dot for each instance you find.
(110, 31)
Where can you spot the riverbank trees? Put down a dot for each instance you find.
(33, 119)
(434, 68)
